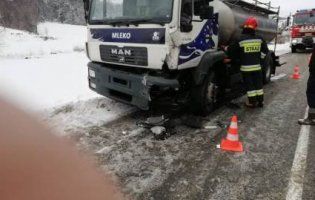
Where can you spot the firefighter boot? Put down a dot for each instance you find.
(310, 120)
(249, 104)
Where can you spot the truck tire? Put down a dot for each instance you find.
(293, 49)
(268, 65)
(204, 97)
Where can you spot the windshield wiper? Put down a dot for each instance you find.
(153, 21)
(115, 23)
(127, 22)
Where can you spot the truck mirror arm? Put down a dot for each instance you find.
(86, 8)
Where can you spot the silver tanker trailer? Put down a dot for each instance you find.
(148, 51)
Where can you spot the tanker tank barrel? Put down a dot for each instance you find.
(256, 5)
(235, 12)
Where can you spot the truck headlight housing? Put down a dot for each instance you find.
(294, 41)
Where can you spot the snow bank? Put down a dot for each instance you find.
(52, 38)
(82, 114)
(281, 49)
(56, 87)
(46, 82)
(52, 81)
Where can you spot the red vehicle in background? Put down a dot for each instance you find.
(303, 30)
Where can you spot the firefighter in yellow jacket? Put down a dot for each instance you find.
(250, 49)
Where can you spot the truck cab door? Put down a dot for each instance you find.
(198, 32)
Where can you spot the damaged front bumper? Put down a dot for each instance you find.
(304, 42)
(126, 87)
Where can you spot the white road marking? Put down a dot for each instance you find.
(211, 127)
(295, 189)
(280, 76)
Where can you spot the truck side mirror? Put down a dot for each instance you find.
(86, 8)
(206, 12)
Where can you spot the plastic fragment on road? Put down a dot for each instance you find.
(211, 127)
(158, 130)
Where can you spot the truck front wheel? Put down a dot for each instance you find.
(205, 96)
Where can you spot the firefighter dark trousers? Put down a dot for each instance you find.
(254, 86)
(310, 93)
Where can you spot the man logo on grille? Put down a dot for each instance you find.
(121, 52)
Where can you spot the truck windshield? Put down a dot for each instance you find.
(131, 11)
(305, 18)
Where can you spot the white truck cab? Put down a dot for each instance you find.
(143, 50)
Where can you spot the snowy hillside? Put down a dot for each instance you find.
(52, 38)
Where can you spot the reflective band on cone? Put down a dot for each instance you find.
(232, 137)
(233, 125)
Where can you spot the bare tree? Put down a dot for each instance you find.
(2, 25)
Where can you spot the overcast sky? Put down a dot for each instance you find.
(288, 6)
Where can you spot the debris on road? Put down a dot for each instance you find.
(159, 132)
(160, 126)
(156, 120)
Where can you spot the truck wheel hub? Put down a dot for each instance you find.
(211, 92)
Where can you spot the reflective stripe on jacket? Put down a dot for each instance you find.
(250, 68)
(249, 50)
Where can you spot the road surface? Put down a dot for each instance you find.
(188, 165)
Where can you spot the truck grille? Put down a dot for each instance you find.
(124, 55)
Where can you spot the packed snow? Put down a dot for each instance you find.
(47, 73)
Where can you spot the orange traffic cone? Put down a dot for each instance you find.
(296, 74)
(232, 143)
